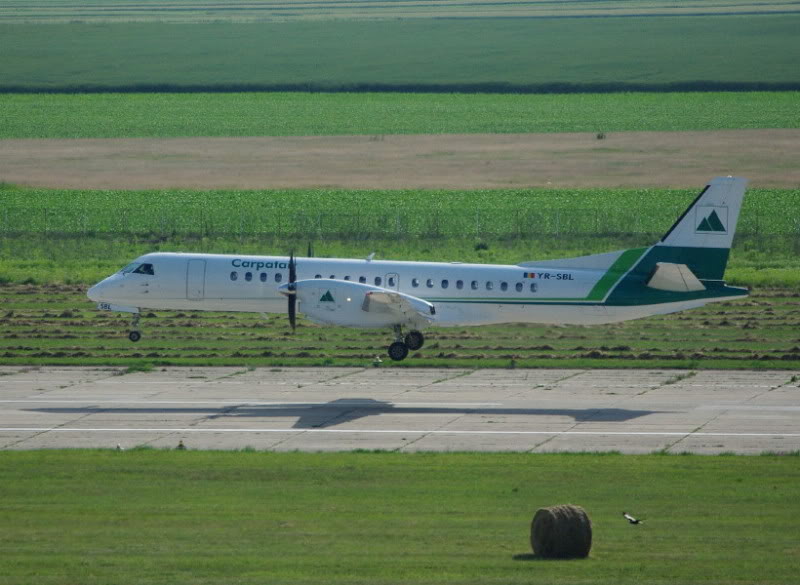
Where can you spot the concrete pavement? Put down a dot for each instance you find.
(322, 409)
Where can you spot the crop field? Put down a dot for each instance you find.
(739, 52)
(118, 115)
(57, 324)
(203, 11)
(100, 231)
(97, 517)
(369, 213)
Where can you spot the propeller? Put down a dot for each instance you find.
(292, 296)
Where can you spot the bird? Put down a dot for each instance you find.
(120, 447)
(631, 519)
(181, 446)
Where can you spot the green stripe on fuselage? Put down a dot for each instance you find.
(627, 277)
(618, 269)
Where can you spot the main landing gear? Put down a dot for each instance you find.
(134, 334)
(413, 341)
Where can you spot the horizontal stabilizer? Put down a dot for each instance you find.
(675, 278)
(593, 262)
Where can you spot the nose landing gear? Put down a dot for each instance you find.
(134, 334)
(398, 350)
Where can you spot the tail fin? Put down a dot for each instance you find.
(702, 236)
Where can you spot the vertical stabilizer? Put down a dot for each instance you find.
(702, 236)
(710, 221)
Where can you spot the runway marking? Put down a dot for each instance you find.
(343, 402)
(390, 431)
(748, 407)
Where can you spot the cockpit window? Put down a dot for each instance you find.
(129, 268)
(144, 269)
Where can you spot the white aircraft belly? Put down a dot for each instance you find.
(257, 305)
(467, 314)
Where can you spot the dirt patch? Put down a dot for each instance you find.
(451, 161)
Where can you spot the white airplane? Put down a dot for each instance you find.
(683, 270)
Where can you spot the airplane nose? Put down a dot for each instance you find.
(94, 292)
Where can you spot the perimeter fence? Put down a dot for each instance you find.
(363, 224)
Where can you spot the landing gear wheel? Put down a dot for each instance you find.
(134, 335)
(398, 351)
(414, 340)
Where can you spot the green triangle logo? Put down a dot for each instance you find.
(327, 298)
(715, 223)
(712, 223)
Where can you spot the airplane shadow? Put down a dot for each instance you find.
(336, 412)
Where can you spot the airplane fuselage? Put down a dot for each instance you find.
(683, 270)
(463, 294)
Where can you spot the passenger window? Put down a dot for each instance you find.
(533, 287)
(429, 283)
(415, 282)
(489, 285)
(362, 279)
(347, 278)
(332, 277)
(317, 276)
(474, 285)
(390, 281)
(278, 277)
(378, 281)
(518, 286)
(445, 283)
(263, 277)
(459, 284)
(144, 269)
(248, 276)
(503, 286)
(234, 275)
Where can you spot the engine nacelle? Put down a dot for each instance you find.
(352, 304)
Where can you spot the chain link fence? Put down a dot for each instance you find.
(476, 224)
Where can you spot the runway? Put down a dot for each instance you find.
(342, 409)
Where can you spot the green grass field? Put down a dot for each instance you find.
(158, 517)
(297, 114)
(482, 54)
(58, 325)
(56, 243)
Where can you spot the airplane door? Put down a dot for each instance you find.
(196, 280)
(392, 281)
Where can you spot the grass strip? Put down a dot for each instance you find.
(58, 325)
(146, 516)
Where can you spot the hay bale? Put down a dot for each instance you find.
(561, 532)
